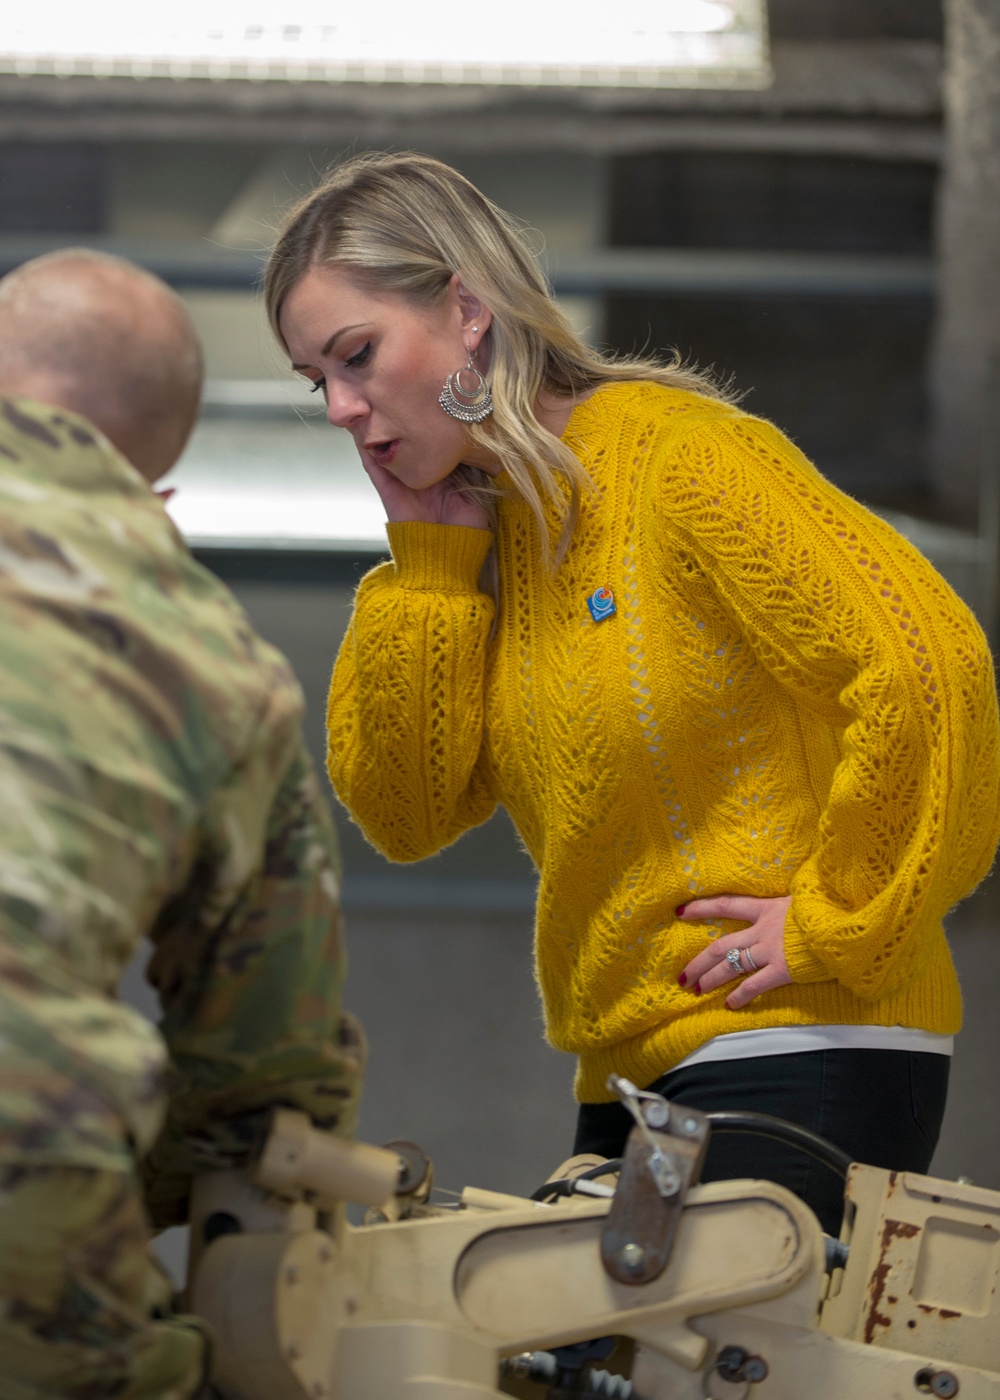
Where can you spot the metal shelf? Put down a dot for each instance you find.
(659, 271)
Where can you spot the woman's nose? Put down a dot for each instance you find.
(344, 405)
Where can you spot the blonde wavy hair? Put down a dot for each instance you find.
(406, 223)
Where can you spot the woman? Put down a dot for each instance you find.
(746, 733)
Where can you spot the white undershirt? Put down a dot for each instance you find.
(795, 1040)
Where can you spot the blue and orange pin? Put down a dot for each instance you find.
(601, 603)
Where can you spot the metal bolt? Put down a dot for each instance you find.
(755, 1369)
(731, 1363)
(668, 1181)
(656, 1113)
(690, 1125)
(631, 1255)
(944, 1384)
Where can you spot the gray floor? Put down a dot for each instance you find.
(970, 1137)
(457, 1059)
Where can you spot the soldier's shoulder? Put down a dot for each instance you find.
(95, 571)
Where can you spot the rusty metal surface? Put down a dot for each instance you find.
(934, 1272)
(640, 1228)
(892, 1260)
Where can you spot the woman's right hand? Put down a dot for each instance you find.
(441, 504)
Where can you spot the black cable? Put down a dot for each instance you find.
(779, 1129)
(728, 1121)
(551, 1189)
(613, 1164)
(564, 1186)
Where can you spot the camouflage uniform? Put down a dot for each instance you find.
(153, 782)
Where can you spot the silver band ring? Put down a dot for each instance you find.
(733, 959)
(749, 957)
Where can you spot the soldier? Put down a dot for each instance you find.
(153, 783)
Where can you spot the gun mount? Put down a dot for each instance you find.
(725, 1291)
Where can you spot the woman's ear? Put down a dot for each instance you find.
(474, 313)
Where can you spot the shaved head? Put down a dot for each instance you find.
(105, 339)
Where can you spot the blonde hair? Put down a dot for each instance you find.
(406, 223)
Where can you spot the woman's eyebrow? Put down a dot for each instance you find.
(332, 342)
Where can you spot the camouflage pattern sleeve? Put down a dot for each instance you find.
(154, 783)
(249, 973)
(87, 1313)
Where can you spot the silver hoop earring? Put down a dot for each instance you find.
(467, 405)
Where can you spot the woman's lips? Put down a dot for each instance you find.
(383, 452)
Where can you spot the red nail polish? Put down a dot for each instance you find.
(682, 978)
(680, 909)
(697, 989)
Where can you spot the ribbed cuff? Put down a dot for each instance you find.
(438, 558)
(803, 964)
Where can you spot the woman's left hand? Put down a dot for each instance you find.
(765, 939)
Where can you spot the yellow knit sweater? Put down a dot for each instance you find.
(787, 699)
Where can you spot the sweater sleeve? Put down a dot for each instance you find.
(851, 618)
(405, 715)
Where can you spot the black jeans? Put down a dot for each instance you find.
(883, 1107)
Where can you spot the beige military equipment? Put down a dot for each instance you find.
(728, 1290)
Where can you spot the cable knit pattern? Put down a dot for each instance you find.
(787, 700)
